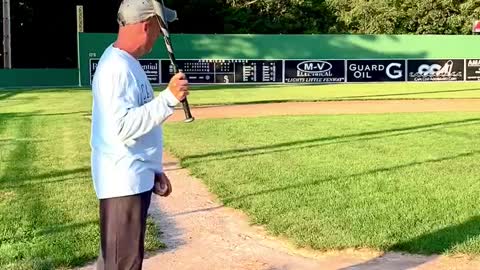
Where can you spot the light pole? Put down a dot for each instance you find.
(7, 47)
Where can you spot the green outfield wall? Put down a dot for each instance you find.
(300, 47)
(283, 49)
(38, 77)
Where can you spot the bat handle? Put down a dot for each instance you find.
(186, 107)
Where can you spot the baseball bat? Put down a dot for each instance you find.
(168, 43)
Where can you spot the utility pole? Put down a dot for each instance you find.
(79, 30)
(7, 47)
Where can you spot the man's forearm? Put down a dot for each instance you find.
(140, 120)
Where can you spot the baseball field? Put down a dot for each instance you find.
(383, 181)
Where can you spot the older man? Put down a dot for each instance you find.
(126, 135)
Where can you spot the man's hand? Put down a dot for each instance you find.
(178, 85)
(162, 186)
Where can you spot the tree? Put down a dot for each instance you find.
(365, 17)
(278, 16)
(44, 35)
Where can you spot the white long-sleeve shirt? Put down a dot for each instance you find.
(126, 135)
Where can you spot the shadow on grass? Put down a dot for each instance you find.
(7, 94)
(320, 142)
(41, 89)
(41, 177)
(414, 93)
(27, 184)
(442, 240)
(251, 151)
(350, 176)
(432, 243)
(28, 201)
(32, 220)
(52, 229)
(20, 115)
(65, 227)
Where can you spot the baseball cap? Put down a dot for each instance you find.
(135, 11)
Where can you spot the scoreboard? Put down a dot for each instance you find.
(226, 71)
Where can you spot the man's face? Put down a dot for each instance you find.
(152, 32)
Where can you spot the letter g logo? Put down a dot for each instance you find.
(397, 73)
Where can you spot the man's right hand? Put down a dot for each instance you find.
(162, 186)
(178, 85)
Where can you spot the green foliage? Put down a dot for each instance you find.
(277, 16)
(329, 16)
(32, 19)
(406, 17)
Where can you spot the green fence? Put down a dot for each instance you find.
(295, 47)
(300, 47)
(38, 77)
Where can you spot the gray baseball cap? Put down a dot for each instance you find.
(135, 11)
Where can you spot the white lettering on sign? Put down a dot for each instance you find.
(436, 69)
(362, 75)
(355, 67)
(437, 72)
(474, 63)
(314, 66)
(397, 73)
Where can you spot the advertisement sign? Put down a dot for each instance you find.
(473, 70)
(308, 71)
(92, 68)
(152, 69)
(314, 71)
(436, 70)
(150, 66)
(376, 70)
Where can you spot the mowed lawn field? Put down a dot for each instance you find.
(48, 208)
(391, 181)
(407, 182)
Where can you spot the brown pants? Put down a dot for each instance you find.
(122, 232)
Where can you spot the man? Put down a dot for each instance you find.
(126, 135)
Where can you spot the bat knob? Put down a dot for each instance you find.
(189, 120)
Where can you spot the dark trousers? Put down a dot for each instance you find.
(122, 232)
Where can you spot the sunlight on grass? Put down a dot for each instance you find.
(395, 181)
(48, 208)
(403, 182)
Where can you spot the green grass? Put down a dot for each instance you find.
(239, 94)
(281, 93)
(327, 182)
(406, 182)
(48, 208)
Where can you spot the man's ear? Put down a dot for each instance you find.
(145, 27)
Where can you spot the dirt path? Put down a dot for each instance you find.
(202, 234)
(331, 107)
